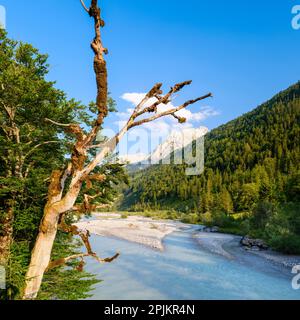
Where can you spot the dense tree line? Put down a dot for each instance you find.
(252, 167)
(30, 148)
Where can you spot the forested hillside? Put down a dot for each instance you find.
(251, 167)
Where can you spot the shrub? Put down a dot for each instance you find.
(286, 243)
(261, 214)
(222, 220)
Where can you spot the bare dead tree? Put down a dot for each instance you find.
(62, 196)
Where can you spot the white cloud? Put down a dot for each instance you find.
(162, 127)
(136, 98)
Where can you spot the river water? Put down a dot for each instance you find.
(184, 271)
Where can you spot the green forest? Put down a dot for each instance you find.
(30, 150)
(251, 182)
(57, 167)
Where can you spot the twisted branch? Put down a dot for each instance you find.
(84, 143)
(84, 235)
(70, 127)
(171, 112)
(64, 261)
(155, 92)
(84, 6)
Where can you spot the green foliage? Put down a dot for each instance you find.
(31, 148)
(66, 283)
(261, 214)
(63, 283)
(293, 187)
(287, 243)
(20, 254)
(26, 155)
(26, 161)
(252, 164)
(282, 228)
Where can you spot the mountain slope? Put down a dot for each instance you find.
(177, 140)
(251, 159)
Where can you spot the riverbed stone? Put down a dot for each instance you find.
(215, 229)
(253, 244)
(211, 229)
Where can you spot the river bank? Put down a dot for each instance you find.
(151, 233)
(229, 246)
(141, 230)
(186, 270)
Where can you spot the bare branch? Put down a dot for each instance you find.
(96, 195)
(29, 167)
(84, 6)
(63, 261)
(162, 99)
(107, 260)
(67, 173)
(10, 111)
(180, 119)
(169, 112)
(110, 145)
(79, 208)
(62, 196)
(71, 128)
(66, 125)
(84, 235)
(96, 146)
(100, 72)
(156, 90)
(38, 146)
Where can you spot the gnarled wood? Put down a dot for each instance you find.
(61, 196)
(57, 203)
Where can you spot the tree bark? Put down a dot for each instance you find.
(41, 254)
(61, 196)
(40, 257)
(57, 204)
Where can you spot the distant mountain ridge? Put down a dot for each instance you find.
(250, 159)
(177, 140)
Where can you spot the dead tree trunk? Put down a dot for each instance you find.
(61, 196)
(57, 203)
(41, 253)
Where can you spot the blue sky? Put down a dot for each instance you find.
(242, 51)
